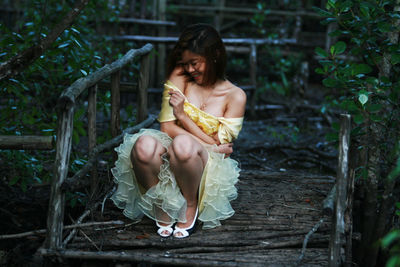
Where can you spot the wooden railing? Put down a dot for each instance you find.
(66, 105)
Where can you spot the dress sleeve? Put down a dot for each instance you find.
(167, 112)
(229, 128)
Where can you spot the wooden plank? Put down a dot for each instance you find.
(147, 21)
(142, 99)
(92, 135)
(337, 239)
(55, 212)
(26, 142)
(251, 11)
(115, 103)
(237, 41)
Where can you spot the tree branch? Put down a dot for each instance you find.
(14, 65)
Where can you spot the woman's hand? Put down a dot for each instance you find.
(226, 149)
(176, 101)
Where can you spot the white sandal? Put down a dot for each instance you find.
(164, 228)
(185, 232)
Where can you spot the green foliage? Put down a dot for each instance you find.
(391, 242)
(279, 69)
(28, 100)
(362, 68)
(354, 65)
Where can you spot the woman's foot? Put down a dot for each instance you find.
(185, 229)
(164, 230)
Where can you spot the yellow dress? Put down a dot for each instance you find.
(217, 186)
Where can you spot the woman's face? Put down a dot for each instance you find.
(194, 65)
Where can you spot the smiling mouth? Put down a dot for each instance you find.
(196, 76)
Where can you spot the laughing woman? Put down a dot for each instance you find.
(183, 173)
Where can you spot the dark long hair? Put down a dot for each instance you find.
(204, 40)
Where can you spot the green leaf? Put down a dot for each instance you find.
(390, 237)
(374, 108)
(329, 82)
(384, 26)
(321, 52)
(376, 118)
(396, 171)
(14, 180)
(395, 58)
(362, 69)
(322, 12)
(340, 47)
(363, 98)
(358, 118)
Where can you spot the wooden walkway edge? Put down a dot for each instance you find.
(274, 213)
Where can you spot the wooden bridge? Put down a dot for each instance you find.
(275, 216)
(281, 219)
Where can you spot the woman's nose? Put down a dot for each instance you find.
(190, 68)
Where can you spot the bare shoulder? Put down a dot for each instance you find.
(236, 95)
(178, 79)
(236, 102)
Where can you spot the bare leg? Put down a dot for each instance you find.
(188, 159)
(146, 161)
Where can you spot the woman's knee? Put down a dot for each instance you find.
(184, 147)
(144, 149)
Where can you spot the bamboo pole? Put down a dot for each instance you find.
(337, 239)
(26, 142)
(92, 135)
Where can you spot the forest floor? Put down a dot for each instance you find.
(288, 139)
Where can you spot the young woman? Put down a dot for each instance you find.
(183, 173)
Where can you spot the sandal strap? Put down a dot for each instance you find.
(165, 228)
(183, 232)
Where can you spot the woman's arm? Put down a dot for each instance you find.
(173, 130)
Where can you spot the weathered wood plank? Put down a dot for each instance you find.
(92, 134)
(55, 212)
(142, 97)
(26, 142)
(338, 228)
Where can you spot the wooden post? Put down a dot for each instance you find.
(55, 213)
(253, 77)
(337, 239)
(161, 51)
(219, 18)
(142, 89)
(115, 105)
(348, 216)
(92, 134)
(143, 5)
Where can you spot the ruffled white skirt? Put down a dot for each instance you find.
(164, 202)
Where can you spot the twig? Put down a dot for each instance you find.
(73, 232)
(72, 226)
(303, 249)
(90, 240)
(105, 199)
